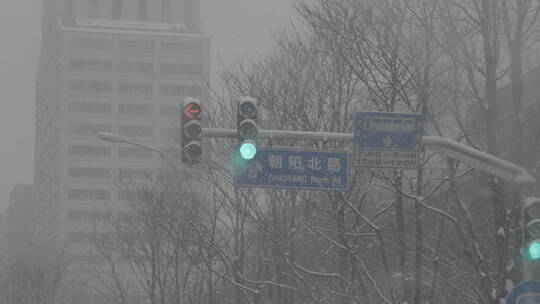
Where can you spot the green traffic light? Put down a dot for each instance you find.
(534, 251)
(248, 150)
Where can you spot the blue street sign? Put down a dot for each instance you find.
(527, 292)
(528, 299)
(387, 140)
(389, 131)
(297, 169)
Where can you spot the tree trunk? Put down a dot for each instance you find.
(400, 220)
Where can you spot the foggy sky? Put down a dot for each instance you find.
(238, 28)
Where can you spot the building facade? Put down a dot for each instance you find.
(121, 66)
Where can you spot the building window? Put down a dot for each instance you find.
(70, 9)
(171, 90)
(176, 90)
(95, 44)
(167, 132)
(78, 237)
(165, 10)
(90, 86)
(89, 194)
(128, 195)
(127, 109)
(129, 174)
(180, 48)
(73, 258)
(135, 152)
(135, 67)
(116, 9)
(90, 65)
(189, 8)
(127, 217)
(85, 215)
(170, 111)
(142, 10)
(181, 69)
(136, 46)
(135, 131)
(93, 9)
(82, 237)
(135, 89)
(89, 172)
(89, 107)
(88, 129)
(92, 151)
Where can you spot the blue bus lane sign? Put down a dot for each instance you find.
(527, 292)
(297, 169)
(387, 140)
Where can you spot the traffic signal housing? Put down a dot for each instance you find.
(532, 228)
(531, 241)
(191, 148)
(247, 128)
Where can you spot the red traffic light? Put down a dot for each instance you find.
(192, 110)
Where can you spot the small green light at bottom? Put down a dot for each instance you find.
(248, 150)
(534, 251)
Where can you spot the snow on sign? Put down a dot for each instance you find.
(527, 292)
(297, 169)
(387, 140)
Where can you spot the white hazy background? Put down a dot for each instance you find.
(238, 28)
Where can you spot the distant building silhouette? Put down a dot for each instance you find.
(530, 110)
(17, 228)
(107, 65)
(18, 223)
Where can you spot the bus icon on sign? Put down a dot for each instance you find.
(388, 131)
(531, 298)
(390, 124)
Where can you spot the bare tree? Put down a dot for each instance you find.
(35, 276)
(397, 236)
(416, 56)
(148, 243)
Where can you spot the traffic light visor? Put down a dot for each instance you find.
(248, 109)
(192, 152)
(248, 150)
(192, 129)
(248, 129)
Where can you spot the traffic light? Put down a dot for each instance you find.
(531, 241)
(247, 129)
(532, 228)
(191, 131)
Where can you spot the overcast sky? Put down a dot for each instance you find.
(238, 28)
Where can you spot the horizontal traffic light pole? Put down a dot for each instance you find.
(453, 149)
(279, 134)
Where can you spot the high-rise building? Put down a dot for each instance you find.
(107, 65)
